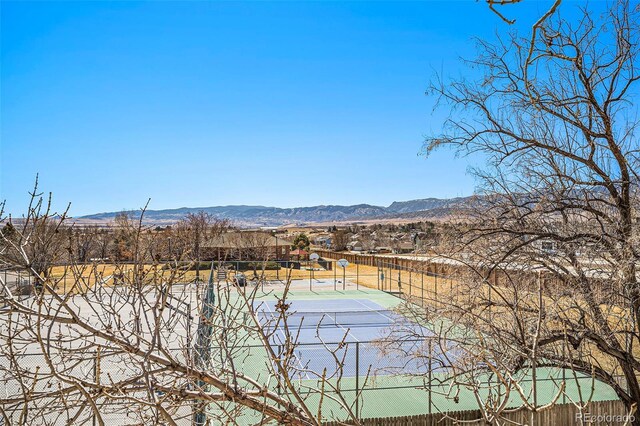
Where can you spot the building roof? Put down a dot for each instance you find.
(298, 252)
(405, 245)
(245, 239)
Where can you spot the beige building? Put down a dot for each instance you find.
(246, 245)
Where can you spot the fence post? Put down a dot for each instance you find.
(564, 372)
(430, 377)
(96, 377)
(422, 288)
(490, 304)
(334, 275)
(410, 287)
(435, 285)
(357, 276)
(357, 380)
(189, 326)
(344, 278)
(384, 281)
(534, 384)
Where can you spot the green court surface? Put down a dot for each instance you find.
(389, 395)
(384, 299)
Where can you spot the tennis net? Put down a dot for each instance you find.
(313, 319)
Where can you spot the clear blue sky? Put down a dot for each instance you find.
(199, 104)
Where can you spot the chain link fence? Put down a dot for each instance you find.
(373, 379)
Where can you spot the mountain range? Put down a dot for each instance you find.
(251, 216)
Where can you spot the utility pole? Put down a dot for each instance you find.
(275, 235)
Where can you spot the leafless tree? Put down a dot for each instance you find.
(103, 241)
(83, 242)
(255, 245)
(551, 245)
(133, 341)
(194, 230)
(339, 240)
(495, 5)
(123, 246)
(34, 241)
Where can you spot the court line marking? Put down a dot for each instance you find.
(302, 367)
(374, 310)
(337, 325)
(348, 330)
(427, 329)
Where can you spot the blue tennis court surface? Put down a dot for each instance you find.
(340, 333)
(351, 320)
(344, 326)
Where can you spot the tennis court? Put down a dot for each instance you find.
(340, 323)
(352, 324)
(339, 330)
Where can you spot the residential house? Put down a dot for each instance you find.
(246, 245)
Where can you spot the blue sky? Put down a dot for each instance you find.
(204, 103)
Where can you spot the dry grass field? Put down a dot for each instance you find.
(420, 285)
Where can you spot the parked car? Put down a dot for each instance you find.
(240, 279)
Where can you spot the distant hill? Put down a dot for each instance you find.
(275, 216)
(426, 204)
